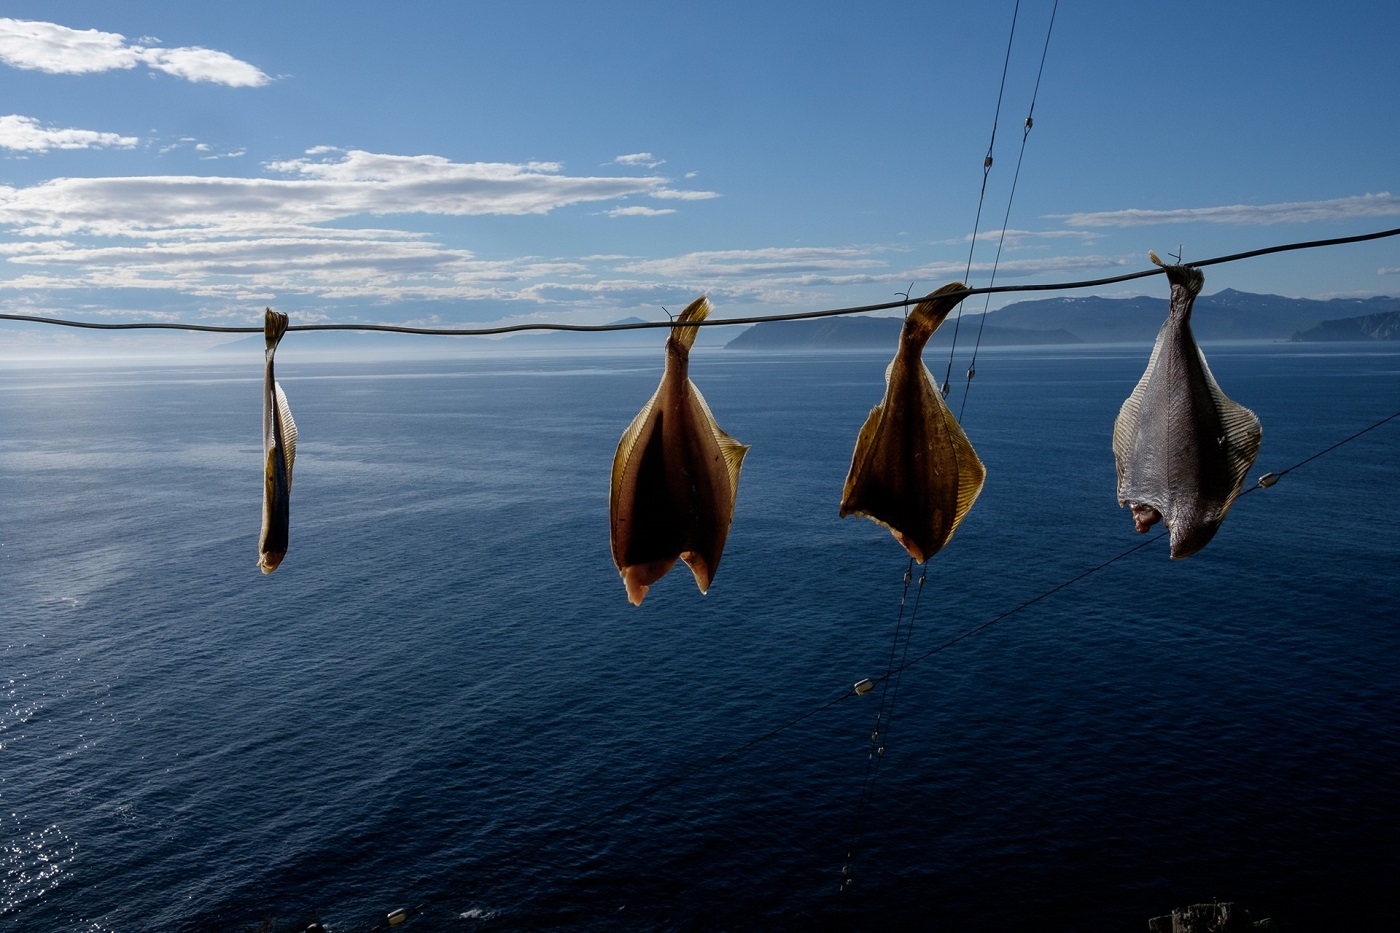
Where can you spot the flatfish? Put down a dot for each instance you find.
(674, 477)
(1182, 447)
(279, 452)
(913, 469)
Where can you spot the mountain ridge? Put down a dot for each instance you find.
(1226, 315)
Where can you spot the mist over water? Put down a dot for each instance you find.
(442, 697)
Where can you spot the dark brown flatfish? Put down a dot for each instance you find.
(913, 469)
(674, 478)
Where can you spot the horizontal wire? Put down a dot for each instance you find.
(712, 322)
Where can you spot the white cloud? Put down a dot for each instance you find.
(672, 194)
(784, 262)
(331, 188)
(228, 239)
(197, 64)
(1012, 238)
(1383, 204)
(26, 134)
(644, 159)
(1049, 266)
(638, 211)
(55, 49)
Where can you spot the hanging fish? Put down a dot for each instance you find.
(279, 453)
(913, 469)
(674, 477)
(1181, 446)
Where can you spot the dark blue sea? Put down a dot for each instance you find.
(443, 703)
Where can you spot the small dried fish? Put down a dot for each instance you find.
(674, 477)
(913, 469)
(1182, 448)
(279, 453)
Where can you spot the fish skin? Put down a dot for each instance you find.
(1182, 448)
(675, 477)
(279, 453)
(913, 469)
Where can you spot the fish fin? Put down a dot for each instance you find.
(274, 326)
(700, 569)
(1241, 438)
(929, 313)
(1128, 424)
(732, 450)
(638, 578)
(697, 310)
(627, 463)
(972, 473)
(627, 444)
(860, 459)
(289, 430)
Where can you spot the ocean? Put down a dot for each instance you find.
(442, 702)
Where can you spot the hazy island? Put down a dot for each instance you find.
(1226, 315)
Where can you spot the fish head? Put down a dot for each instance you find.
(1144, 516)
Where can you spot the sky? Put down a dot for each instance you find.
(473, 163)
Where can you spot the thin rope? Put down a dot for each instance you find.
(884, 715)
(708, 322)
(1006, 219)
(982, 196)
(1269, 479)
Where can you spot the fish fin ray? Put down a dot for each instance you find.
(289, 429)
(274, 327)
(732, 450)
(697, 310)
(627, 447)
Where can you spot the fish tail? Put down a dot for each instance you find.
(1190, 278)
(929, 313)
(274, 326)
(697, 310)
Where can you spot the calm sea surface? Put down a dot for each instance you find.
(443, 702)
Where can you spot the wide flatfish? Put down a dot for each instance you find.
(913, 469)
(674, 478)
(1182, 447)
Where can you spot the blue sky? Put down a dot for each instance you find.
(473, 162)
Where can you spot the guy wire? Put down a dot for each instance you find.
(1001, 239)
(982, 195)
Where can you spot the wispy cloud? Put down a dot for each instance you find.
(26, 134)
(331, 186)
(638, 211)
(672, 194)
(1049, 266)
(40, 46)
(1383, 204)
(296, 230)
(643, 159)
(783, 262)
(1015, 239)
